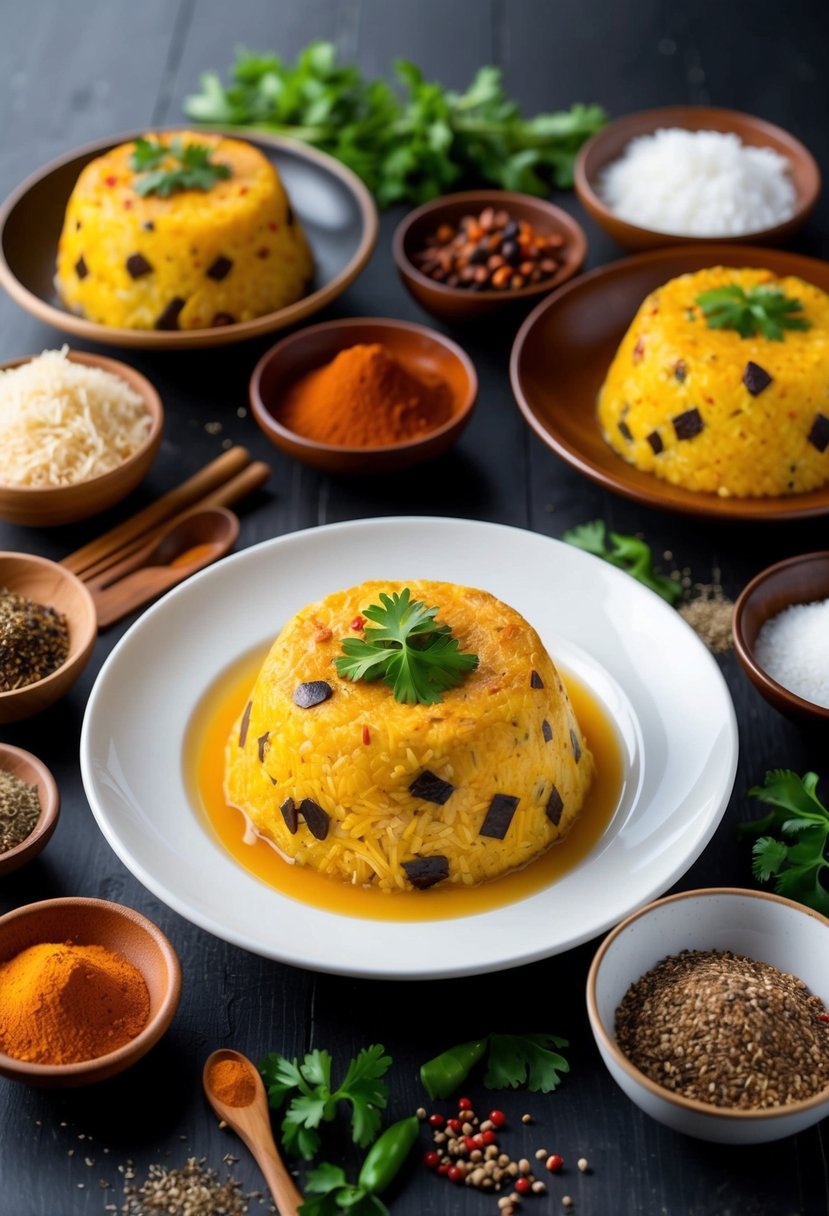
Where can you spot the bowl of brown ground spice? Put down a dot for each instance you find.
(709, 1011)
(29, 807)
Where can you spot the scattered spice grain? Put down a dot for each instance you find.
(709, 613)
(19, 810)
(34, 640)
(191, 1190)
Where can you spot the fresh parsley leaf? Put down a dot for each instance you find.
(762, 308)
(797, 863)
(629, 553)
(527, 1059)
(418, 658)
(158, 173)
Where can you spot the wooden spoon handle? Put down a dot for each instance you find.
(286, 1196)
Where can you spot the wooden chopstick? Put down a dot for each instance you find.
(191, 491)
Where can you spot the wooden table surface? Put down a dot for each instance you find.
(76, 72)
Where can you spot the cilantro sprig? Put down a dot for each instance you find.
(512, 1060)
(762, 308)
(164, 169)
(629, 553)
(328, 1193)
(418, 658)
(796, 861)
(313, 1099)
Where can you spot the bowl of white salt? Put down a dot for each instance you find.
(781, 635)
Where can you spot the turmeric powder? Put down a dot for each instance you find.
(62, 1003)
(365, 398)
(232, 1081)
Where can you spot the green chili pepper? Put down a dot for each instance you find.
(387, 1154)
(442, 1075)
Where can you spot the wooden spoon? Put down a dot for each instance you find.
(252, 1125)
(188, 544)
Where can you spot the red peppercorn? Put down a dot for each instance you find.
(444, 1167)
(554, 1163)
(464, 1104)
(472, 1142)
(522, 1185)
(456, 1174)
(432, 1160)
(454, 1125)
(358, 623)
(824, 1017)
(488, 1137)
(434, 1120)
(497, 1117)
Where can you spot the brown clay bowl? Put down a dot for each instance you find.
(45, 507)
(798, 580)
(100, 923)
(34, 772)
(460, 304)
(563, 350)
(609, 144)
(421, 350)
(49, 583)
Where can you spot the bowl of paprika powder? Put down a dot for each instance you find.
(363, 395)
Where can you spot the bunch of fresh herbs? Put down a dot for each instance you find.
(795, 856)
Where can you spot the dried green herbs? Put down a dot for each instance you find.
(34, 640)
(19, 810)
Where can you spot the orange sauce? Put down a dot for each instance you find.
(204, 769)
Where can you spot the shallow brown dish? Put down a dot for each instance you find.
(51, 505)
(563, 350)
(459, 304)
(798, 580)
(420, 349)
(334, 207)
(95, 922)
(49, 583)
(34, 772)
(609, 144)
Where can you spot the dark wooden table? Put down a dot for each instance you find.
(75, 72)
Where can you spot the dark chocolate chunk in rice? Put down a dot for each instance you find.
(574, 739)
(223, 318)
(289, 814)
(311, 693)
(431, 788)
(499, 816)
(243, 726)
(624, 431)
(819, 434)
(756, 378)
(219, 269)
(536, 680)
(424, 872)
(547, 731)
(554, 807)
(689, 424)
(655, 440)
(170, 315)
(317, 819)
(262, 743)
(137, 265)
(148, 226)
(81, 268)
(681, 371)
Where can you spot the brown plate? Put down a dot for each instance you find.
(562, 352)
(609, 144)
(334, 207)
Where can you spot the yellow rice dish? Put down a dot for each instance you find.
(194, 259)
(369, 790)
(712, 411)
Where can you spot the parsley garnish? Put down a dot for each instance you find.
(328, 1192)
(418, 658)
(629, 553)
(512, 1060)
(795, 863)
(154, 163)
(762, 308)
(313, 1099)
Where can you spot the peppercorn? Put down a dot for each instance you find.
(554, 1163)
(490, 251)
(522, 1185)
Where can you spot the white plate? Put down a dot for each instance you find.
(672, 707)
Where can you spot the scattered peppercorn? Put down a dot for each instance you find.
(490, 251)
(554, 1163)
(34, 640)
(583, 1164)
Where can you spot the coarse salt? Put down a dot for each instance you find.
(699, 183)
(793, 648)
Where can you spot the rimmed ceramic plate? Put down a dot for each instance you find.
(674, 717)
(563, 350)
(334, 207)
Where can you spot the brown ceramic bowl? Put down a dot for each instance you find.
(563, 350)
(34, 772)
(420, 349)
(459, 304)
(53, 505)
(95, 922)
(609, 144)
(49, 583)
(335, 209)
(798, 580)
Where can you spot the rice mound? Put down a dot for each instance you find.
(508, 729)
(676, 403)
(192, 260)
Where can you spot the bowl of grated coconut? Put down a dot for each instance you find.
(78, 432)
(684, 174)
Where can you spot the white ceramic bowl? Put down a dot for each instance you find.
(761, 926)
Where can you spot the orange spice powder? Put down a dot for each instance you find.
(232, 1082)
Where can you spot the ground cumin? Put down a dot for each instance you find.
(62, 1003)
(365, 398)
(232, 1082)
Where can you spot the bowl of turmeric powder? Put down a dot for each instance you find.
(87, 987)
(363, 395)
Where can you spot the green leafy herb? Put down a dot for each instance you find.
(512, 1060)
(165, 168)
(796, 861)
(314, 1099)
(331, 1192)
(410, 145)
(629, 553)
(763, 308)
(418, 658)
